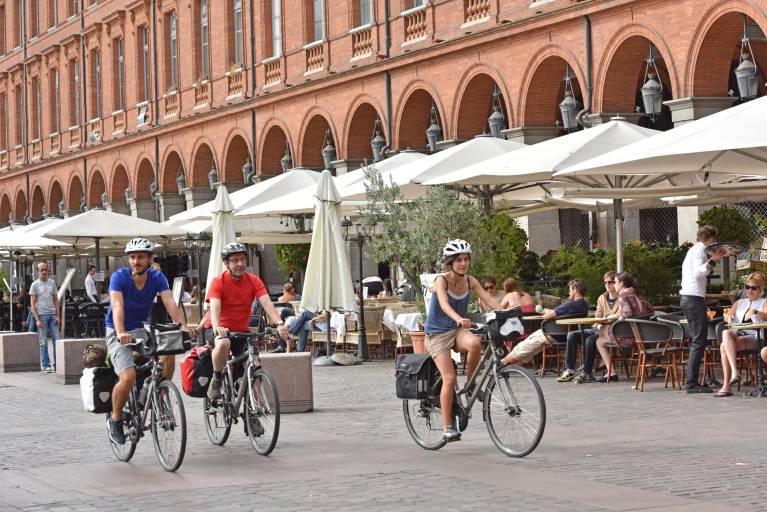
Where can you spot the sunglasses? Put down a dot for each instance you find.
(750, 287)
(609, 282)
(489, 286)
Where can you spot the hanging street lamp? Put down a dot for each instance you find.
(213, 176)
(747, 72)
(328, 150)
(497, 120)
(434, 131)
(378, 142)
(286, 161)
(181, 183)
(569, 106)
(652, 90)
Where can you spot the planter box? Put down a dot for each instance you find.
(19, 352)
(292, 373)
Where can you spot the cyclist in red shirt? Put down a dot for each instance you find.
(231, 297)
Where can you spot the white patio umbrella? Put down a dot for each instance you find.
(410, 177)
(302, 201)
(328, 285)
(223, 232)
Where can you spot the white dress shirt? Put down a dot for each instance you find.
(694, 271)
(90, 288)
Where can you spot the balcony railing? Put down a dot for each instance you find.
(415, 23)
(475, 10)
(362, 41)
(201, 94)
(235, 82)
(272, 71)
(95, 131)
(18, 156)
(4, 159)
(315, 56)
(170, 101)
(74, 137)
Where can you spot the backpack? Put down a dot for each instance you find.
(94, 356)
(96, 386)
(196, 372)
(415, 375)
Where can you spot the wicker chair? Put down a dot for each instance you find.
(373, 330)
(394, 340)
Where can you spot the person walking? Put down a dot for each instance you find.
(45, 308)
(695, 267)
(90, 285)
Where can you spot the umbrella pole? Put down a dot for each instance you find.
(618, 204)
(325, 360)
(98, 256)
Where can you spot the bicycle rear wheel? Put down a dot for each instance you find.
(217, 415)
(262, 412)
(124, 452)
(168, 426)
(515, 411)
(424, 422)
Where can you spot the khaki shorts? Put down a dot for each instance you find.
(439, 342)
(530, 347)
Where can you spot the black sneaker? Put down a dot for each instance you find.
(451, 434)
(613, 378)
(584, 378)
(697, 388)
(116, 432)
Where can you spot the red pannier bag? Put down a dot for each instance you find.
(196, 372)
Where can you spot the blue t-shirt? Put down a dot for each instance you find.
(573, 307)
(138, 303)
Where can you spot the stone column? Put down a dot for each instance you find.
(170, 204)
(350, 164)
(532, 134)
(197, 196)
(605, 117)
(143, 208)
(118, 208)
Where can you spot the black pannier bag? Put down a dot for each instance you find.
(415, 375)
(96, 386)
(505, 325)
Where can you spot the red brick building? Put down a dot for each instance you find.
(109, 101)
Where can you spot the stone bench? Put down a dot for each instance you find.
(292, 374)
(19, 352)
(69, 358)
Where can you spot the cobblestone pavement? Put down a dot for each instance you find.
(606, 447)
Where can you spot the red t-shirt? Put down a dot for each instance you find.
(236, 297)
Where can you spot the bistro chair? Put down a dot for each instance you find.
(373, 331)
(619, 353)
(655, 347)
(744, 358)
(681, 336)
(556, 350)
(91, 320)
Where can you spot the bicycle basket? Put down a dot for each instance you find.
(505, 325)
(166, 339)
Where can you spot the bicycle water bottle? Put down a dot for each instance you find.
(144, 391)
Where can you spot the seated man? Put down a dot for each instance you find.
(607, 304)
(533, 345)
(301, 325)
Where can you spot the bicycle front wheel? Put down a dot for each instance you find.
(262, 412)
(424, 422)
(515, 411)
(124, 452)
(168, 426)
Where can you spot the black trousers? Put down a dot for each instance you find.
(694, 309)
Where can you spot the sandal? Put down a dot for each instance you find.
(735, 381)
(722, 394)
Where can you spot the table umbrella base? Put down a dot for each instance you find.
(323, 361)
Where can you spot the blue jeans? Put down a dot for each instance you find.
(571, 352)
(302, 327)
(49, 325)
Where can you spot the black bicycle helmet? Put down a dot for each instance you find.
(233, 248)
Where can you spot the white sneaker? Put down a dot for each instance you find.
(49, 369)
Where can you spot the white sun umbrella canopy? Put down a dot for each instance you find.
(223, 232)
(270, 188)
(727, 143)
(410, 177)
(302, 201)
(11, 240)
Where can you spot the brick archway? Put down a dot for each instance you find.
(201, 164)
(546, 90)
(313, 141)
(360, 132)
(475, 107)
(717, 55)
(96, 187)
(120, 182)
(38, 203)
(5, 208)
(74, 194)
(55, 196)
(272, 151)
(414, 120)
(237, 153)
(144, 176)
(20, 206)
(173, 167)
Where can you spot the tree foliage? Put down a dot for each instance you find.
(733, 226)
(499, 243)
(292, 257)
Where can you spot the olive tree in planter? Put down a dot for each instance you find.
(733, 226)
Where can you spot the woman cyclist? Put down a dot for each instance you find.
(446, 324)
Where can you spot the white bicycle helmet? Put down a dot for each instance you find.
(139, 245)
(456, 246)
(233, 248)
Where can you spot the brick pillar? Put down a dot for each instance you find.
(170, 204)
(142, 208)
(197, 196)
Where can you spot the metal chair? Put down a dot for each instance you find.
(681, 335)
(91, 321)
(655, 346)
(558, 333)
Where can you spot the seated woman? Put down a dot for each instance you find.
(288, 294)
(516, 296)
(752, 308)
(630, 305)
(387, 289)
(490, 285)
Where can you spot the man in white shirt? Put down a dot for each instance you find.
(90, 285)
(695, 267)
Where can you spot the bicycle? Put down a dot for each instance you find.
(514, 410)
(261, 412)
(159, 402)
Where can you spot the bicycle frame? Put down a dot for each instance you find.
(253, 363)
(151, 393)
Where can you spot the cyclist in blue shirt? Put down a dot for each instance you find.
(132, 291)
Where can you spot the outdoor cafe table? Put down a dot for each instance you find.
(760, 387)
